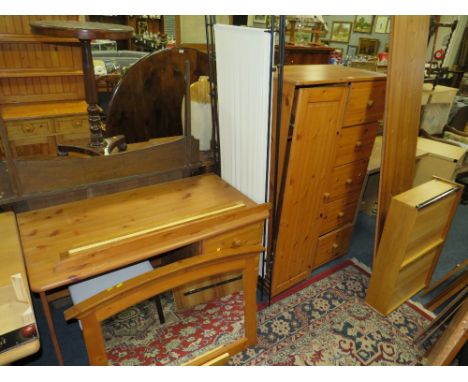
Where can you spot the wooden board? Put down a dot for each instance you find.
(402, 110)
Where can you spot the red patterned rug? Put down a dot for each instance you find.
(321, 322)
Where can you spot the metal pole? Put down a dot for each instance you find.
(276, 214)
(209, 22)
(188, 119)
(270, 92)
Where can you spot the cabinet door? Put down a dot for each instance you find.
(319, 115)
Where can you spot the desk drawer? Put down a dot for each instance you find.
(76, 124)
(212, 287)
(250, 235)
(31, 128)
(333, 244)
(355, 143)
(338, 213)
(345, 180)
(366, 103)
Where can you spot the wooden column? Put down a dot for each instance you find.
(408, 42)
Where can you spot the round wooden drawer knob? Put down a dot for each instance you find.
(236, 243)
(358, 144)
(326, 195)
(370, 103)
(340, 214)
(349, 181)
(335, 245)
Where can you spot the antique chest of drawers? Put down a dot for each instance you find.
(330, 117)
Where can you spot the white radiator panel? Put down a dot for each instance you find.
(243, 77)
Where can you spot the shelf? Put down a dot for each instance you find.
(26, 73)
(7, 38)
(43, 109)
(419, 252)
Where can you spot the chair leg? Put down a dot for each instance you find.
(157, 300)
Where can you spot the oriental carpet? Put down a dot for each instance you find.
(323, 321)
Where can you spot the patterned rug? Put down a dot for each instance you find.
(321, 322)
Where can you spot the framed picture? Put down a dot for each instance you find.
(260, 19)
(142, 26)
(368, 46)
(341, 31)
(363, 24)
(381, 24)
(352, 51)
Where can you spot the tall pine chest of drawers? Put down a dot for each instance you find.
(330, 116)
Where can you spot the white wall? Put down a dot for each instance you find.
(192, 28)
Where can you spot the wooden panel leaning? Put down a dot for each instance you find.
(94, 310)
(412, 240)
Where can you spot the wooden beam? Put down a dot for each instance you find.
(452, 340)
(402, 110)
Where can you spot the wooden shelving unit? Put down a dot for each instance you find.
(413, 236)
(41, 87)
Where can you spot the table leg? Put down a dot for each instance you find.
(50, 323)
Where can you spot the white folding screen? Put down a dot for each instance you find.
(243, 76)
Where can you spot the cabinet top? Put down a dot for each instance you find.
(324, 74)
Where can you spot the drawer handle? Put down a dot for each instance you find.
(340, 214)
(358, 144)
(236, 243)
(326, 195)
(349, 181)
(335, 245)
(78, 123)
(370, 103)
(28, 129)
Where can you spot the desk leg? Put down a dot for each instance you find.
(50, 323)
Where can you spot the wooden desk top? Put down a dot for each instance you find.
(74, 241)
(302, 75)
(11, 260)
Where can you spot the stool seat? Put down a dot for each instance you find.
(85, 289)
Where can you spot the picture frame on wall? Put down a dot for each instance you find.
(368, 46)
(363, 24)
(260, 19)
(382, 24)
(352, 51)
(341, 31)
(142, 26)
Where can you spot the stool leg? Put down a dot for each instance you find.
(50, 324)
(157, 300)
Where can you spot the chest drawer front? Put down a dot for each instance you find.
(338, 213)
(333, 244)
(366, 103)
(345, 180)
(250, 235)
(355, 143)
(31, 128)
(75, 124)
